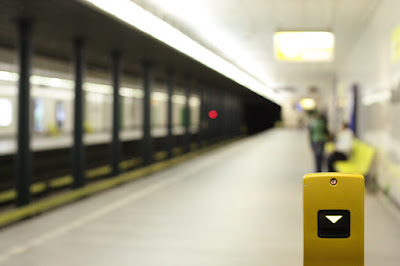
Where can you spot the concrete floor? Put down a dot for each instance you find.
(240, 205)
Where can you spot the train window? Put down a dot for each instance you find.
(156, 116)
(38, 115)
(5, 112)
(184, 113)
(60, 114)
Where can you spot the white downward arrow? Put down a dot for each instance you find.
(333, 218)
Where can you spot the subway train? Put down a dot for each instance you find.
(52, 111)
(52, 118)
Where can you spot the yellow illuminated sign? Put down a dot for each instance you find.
(333, 209)
(304, 45)
(308, 103)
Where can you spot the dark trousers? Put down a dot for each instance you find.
(318, 149)
(336, 156)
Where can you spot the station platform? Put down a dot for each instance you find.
(238, 205)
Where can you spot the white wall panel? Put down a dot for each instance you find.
(369, 64)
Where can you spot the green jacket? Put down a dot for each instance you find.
(318, 132)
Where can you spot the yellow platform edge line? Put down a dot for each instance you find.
(63, 181)
(8, 195)
(74, 195)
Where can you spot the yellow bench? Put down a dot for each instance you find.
(329, 147)
(360, 159)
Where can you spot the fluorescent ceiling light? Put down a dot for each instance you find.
(90, 88)
(97, 88)
(69, 84)
(134, 15)
(8, 76)
(51, 82)
(304, 45)
(129, 92)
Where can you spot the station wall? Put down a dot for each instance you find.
(374, 65)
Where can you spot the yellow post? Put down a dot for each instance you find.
(333, 210)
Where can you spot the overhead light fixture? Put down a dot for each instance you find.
(8, 76)
(180, 99)
(130, 92)
(51, 82)
(304, 45)
(69, 84)
(97, 88)
(134, 15)
(308, 103)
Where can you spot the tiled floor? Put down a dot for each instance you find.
(240, 205)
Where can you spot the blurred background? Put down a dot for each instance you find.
(213, 102)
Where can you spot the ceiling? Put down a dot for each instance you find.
(56, 23)
(242, 31)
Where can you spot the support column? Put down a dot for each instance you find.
(225, 117)
(195, 139)
(116, 143)
(187, 140)
(170, 89)
(147, 144)
(220, 105)
(212, 122)
(78, 149)
(239, 106)
(202, 117)
(206, 120)
(228, 116)
(233, 116)
(24, 155)
(238, 114)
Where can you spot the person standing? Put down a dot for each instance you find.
(318, 137)
(343, 146)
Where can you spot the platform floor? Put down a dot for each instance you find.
(239, 205)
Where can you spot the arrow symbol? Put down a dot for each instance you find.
(334, 218)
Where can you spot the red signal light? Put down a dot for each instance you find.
(212, 114)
